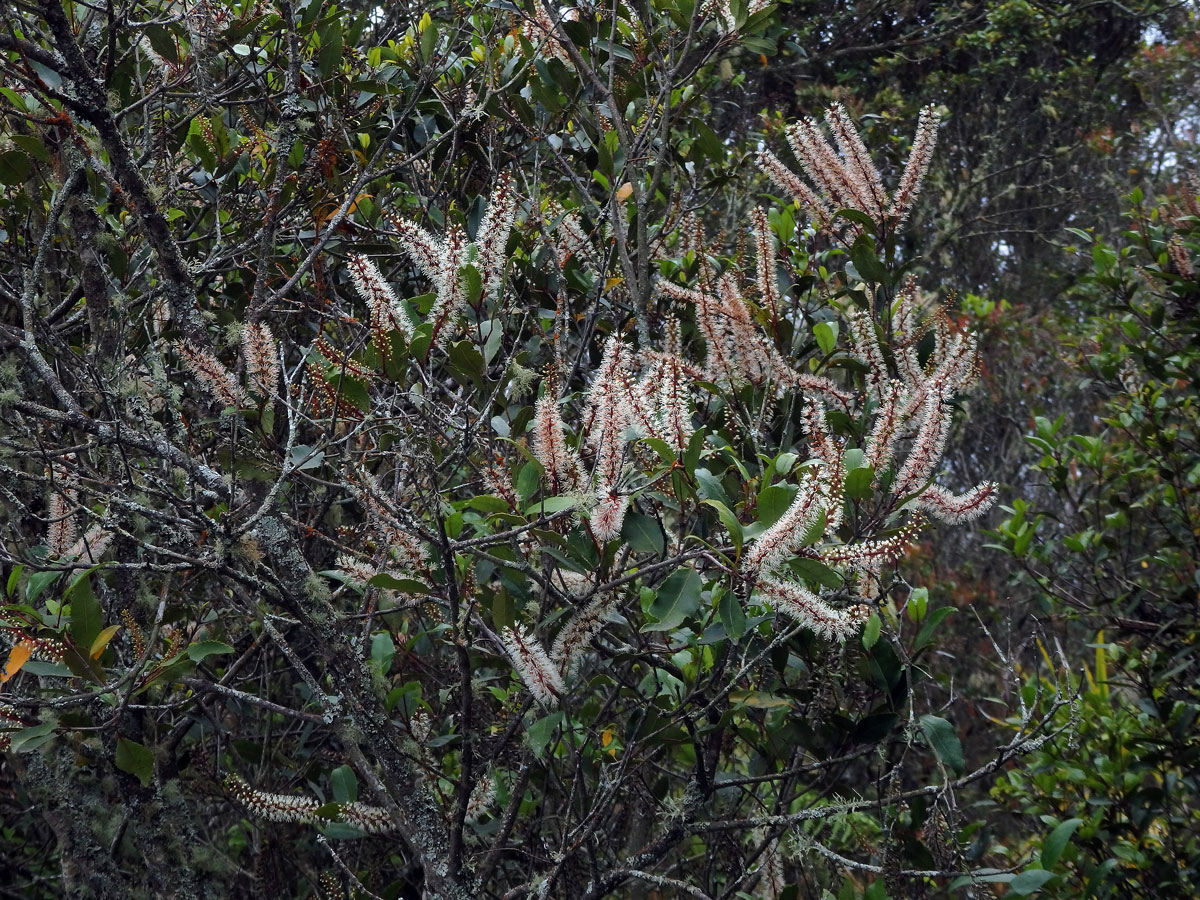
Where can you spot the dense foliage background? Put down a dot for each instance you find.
(273, 513)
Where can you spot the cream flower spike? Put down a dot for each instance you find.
(441, 261)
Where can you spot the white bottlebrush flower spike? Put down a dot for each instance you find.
(262, 358)
(212, 375)
(442, 260)
(533, 665)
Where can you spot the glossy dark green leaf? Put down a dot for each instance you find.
(676, 599)
(344, 784)
(135, 759)
(944, 740)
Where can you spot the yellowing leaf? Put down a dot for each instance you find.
(606, 737)
(17, 657)
(102, 640)
(624, 191)
(612, 283)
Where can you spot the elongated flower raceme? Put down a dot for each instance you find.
(608, 514)
(273, 807)
(452, 295)
(816, 428)
(262, 358)
(809, 610)
(779, 541)
(419, 246)
(881, 444)
(764, 242)
(822, 165)
(492, 238)
(387, 312)
(720, 359)
(906, 333)
(858, 165)
(482, 798)
(874, 553)
(559, 463)
(928, 447)
(363, 816)
(849, 179)
(675, 405)
(91, 546)
(60, 511)
(609, 412)
(211, 375)
(581, 629)
(300, 810)
(918, 165)
(789, 181)
(572, 242)
(955, 509)
(866, 348)
(533, 665)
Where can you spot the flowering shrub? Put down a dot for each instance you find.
(432, 449)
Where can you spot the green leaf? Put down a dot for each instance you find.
(528, 479)
(858, 483)
(856, 215)
(14, 578)
(345, 784)
(945, 743)
(33, 146)
(14, 167)
(37, 583)
(862, 254)
(816, 573)
(14, 98)
(87, 619)
(331, 48)
(466, 359)
(757, 699)
(1056, 842)
(50, 669)
(826, 334)
(33, 737)
(305, 457)
(733, 617)
(135, 759)
(643, 533)
(730, 522)
(871, 631)
(428, 42)
(503, 615)
(201, 650)
(1029, 882)
(709, 486)
(550, 505)
(383, 650)
(353, 392)
(933, 620)
(473, 282)
(773, 502)
(677, 598)
(538, 734)
(404, 585)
